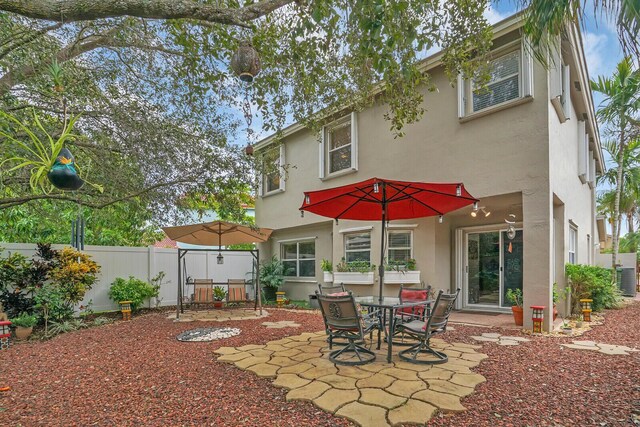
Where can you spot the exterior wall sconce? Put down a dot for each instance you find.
(440, 219)
(474, 213)
(125, 308)
(586, 309)
(538, 318)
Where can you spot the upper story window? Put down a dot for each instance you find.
(504, 84)
(511, 79)
(299, 258)
(272, 176)
(357, 247)
(573, 243)
(339, 147)
(399, 247)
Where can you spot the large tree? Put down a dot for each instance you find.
(621, 101)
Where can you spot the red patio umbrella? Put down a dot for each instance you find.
(385, 200)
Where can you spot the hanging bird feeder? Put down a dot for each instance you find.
(245, 62)
(63, 174)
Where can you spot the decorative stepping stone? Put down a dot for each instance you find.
(491, 335)
(485, 339)
(207, 334)
(521, 339)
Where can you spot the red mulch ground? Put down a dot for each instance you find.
(136, 373)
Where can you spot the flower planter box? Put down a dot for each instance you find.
(327, 276)
(401, 277)
(350, 278)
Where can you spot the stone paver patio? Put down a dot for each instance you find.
(220, 315)
(281, 324)
(499, 339)
(375, 394)
(601, 347)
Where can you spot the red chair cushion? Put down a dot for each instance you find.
(338, 294)
(413, 295)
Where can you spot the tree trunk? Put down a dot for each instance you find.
(616, 208)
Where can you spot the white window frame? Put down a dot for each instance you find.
(465, 86)
(325, 145)
(572, 253)
(410, 247)
(281, 161)
(298, 259)
(346, 251)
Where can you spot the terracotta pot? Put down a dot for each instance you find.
(555, 312)
(218, 304)
(517, 315)
(23, 333)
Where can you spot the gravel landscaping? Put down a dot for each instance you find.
(137, 373)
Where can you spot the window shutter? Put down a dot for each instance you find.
(583, 151)
(527, 69)
(281, 168)
(592, 170)
(566, 92)
(461, 98)
(555, 73)
(354, 141)
(261, 180)
(321, 152)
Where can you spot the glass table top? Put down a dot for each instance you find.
(374, 301)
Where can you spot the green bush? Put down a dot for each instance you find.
(597, 283)
(272, 273)
(25, 320)
(134, 290)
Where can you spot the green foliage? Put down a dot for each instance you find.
(514, 296)
(134, 290)
(156, 284)
(25, 320)
(272, 273)
(326, 265)
(409, 265)
(74, 273)
(219, 294)
(101, 320)
(354, 266)
(65, 326)
(51, 302)
(593, 282)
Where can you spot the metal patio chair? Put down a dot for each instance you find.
(436, 323)
(345, 321)
(409, 314)
(332, 289)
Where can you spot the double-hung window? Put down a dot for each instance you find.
(272, 175)
(573, 243)
(299, 258)
(357, 247)
(339, 147)
(399, 247)
(510, 79)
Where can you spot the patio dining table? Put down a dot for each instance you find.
(388, 307)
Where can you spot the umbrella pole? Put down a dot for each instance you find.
(384, 224)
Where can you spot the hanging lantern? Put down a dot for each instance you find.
(586, 309)
(538, 318)
(63, 174)
(248, 150)
(5, 334)
(245, 62)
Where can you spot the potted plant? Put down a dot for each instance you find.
(354, 272)
(327, 270)
(566, 327)
(272, 275)
(24, 324)
(579, 320)
(397, 272)
(515, 298)
(219, 295)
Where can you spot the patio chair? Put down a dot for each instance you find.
(436, 323)
(345, 321)
(409, 314)
(203, 291)
(332, 289)
(236, 290)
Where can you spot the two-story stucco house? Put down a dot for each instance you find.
(528, 148)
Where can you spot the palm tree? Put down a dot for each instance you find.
(621, 100)
(546, 18)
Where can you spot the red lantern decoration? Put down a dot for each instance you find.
(538, 318)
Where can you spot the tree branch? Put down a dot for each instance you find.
(19, 42)
(82, 10)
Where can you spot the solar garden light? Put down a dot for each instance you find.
(280, 297)
(5, 334)
(586, 309)
(538, 318)
(125, 308)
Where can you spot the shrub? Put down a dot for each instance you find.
(50, 301)
(75, 273)
(25, 320)
(593, 282)
(514, 296)
(65, 326)
(134, 290)
(219, 294)
(272, 273)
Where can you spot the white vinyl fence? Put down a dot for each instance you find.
(146, 263)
